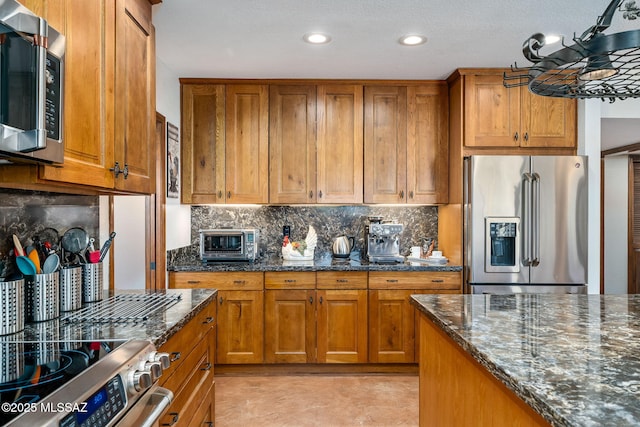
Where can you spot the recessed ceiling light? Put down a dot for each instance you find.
(317, 38)
(412, 40)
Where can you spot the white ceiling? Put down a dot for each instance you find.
(263, 38)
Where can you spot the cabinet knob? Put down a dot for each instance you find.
(311, 194)
(228, 194)
(411, 194)
(320, 300)
(516, 136)
(125, 171)
(402, 194)
(221, 300)
(320, 194)
(526, 137)
(116, 169)
(310, 300)
(220, 194)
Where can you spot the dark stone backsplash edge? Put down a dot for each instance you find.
(329, 222)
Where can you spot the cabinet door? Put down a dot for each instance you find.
(340, 144)
(290, 326)
(428, 144)
(240, 327)
(385, 144)
(492, 112)
(135, 96)
(342, 326)
(88, 108)
(547, 121)
(292, 144)
(203, 139)
(247, 143)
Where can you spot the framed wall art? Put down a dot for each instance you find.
(173, 161)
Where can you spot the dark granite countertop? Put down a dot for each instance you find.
(157, 328)
(323, 262)
(575, 359)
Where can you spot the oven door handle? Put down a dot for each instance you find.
(148, 409)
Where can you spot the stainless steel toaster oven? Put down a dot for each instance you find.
(240, 244)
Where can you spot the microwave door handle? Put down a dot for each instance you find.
(41, 124)
(527, 180)
(536, 220)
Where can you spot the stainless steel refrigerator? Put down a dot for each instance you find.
(525, 224)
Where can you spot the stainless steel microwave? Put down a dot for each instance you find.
(31, 87)
(229, 244)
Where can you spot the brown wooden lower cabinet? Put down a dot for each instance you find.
(240, 337)
(455, 390)
(190, 375)
(290, 326)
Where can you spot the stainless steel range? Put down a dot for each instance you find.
(79, 380)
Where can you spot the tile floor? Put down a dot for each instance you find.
(317, 400)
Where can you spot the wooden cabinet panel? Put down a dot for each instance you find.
(289, 280)
(247, 143)
(290, 326)
(88, 108)
(203, 139)
(292, 144)
(241, 333)
(340, 144)
(135, 96)
(385, 144)
(500, 117)
(341, 279)
(446, 282)
(428, 144)
(342, 326)
(227, 281)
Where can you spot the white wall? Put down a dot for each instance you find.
(168, 104)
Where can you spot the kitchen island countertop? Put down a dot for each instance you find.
(323, 262)
(157, 328)
(575, 359)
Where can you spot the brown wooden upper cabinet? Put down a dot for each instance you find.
(109, 96)
(500, 117)
(406, 144)
(225, 143)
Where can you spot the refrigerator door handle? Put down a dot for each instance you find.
(535, 227)
(527, 180)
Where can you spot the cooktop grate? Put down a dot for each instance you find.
(123, 309)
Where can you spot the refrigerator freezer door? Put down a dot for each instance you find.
(559, 238)
(494, 190)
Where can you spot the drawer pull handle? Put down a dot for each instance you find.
(174, 419)
(289, 280)
(392, 280)
(310, 300)
(193, 282)
(342, 280)
(239, 282)
(208, 320)
(175, 356)
(206, 366)
(437, 281)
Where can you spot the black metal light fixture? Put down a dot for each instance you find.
(597, 65)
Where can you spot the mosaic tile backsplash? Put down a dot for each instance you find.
(26, 214)
(329, 222)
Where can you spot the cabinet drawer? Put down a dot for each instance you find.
(341, 280)
(415, 280)
(181, 344)
(252, 281)
(289, 280)
(191, 377)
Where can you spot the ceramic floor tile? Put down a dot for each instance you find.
(317, 400)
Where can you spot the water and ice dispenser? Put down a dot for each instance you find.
(502, 252)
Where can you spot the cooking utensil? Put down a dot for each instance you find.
(107, 245)
(35, 258)
(26, 266)
(75, 240)
(18, 246)
(50, 238)
(51, 264)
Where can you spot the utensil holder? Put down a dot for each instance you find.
(70, 289)
(42, 297)
(11, 307)
(92, 282)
